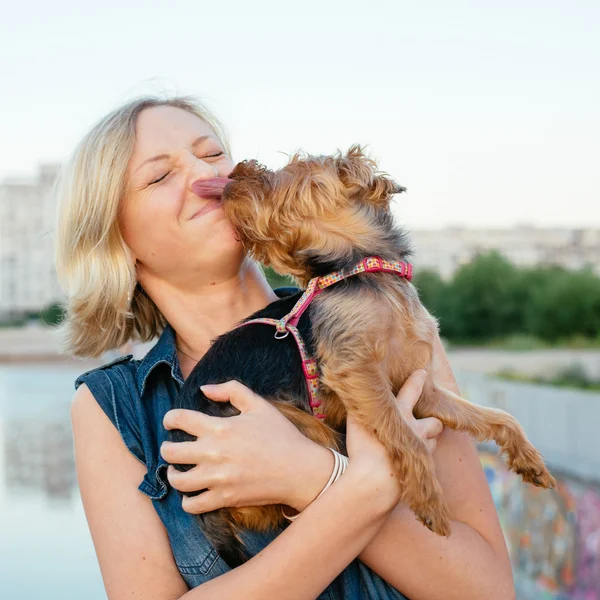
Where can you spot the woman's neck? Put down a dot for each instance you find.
(201, 315)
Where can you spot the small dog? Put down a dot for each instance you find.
(368, 332)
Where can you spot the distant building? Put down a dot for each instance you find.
(28, 280)
(526, 246)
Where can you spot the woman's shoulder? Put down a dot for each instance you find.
(125, 365)
(113, 386)
(136, 410)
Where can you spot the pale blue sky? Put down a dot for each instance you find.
(486, 111)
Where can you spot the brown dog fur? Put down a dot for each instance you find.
(325, 210)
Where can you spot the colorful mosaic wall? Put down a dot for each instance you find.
(553, 535)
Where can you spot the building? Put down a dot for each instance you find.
(447, 249)
(28, 280)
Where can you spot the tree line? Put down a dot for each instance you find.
(491, 298)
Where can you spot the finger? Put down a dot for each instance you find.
(240, 396)
(185, 453)
(198, 478)
(204, 502)
(185, 481)
(191, 421)
(410, 392)
(432, 427)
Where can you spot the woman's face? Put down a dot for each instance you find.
(170, 230)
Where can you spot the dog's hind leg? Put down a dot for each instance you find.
(486, 424)
(367, 395)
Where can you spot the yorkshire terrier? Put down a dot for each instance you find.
(368, 332)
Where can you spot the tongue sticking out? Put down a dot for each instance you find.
(211, 189)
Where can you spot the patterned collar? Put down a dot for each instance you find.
(289, 323)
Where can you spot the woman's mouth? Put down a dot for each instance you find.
(206, 209)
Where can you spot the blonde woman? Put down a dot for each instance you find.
(141, 256)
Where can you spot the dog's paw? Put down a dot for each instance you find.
(435, 523)
(540, 478)
(434, 514)
(527, 462)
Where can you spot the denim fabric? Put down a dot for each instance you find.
(135, 395)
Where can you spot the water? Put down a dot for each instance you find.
(46, 550)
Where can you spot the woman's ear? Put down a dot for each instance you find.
(363, 180)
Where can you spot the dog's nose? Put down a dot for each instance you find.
(211, 189)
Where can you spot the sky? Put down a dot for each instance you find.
(487, 112)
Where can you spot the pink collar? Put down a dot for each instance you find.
(289, 323)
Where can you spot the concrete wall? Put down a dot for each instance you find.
(553, 536)
(529, 362)
(563, 424)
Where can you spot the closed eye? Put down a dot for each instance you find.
(217, 154)
(159, 179)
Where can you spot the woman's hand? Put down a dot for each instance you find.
(257, 457)
(367, 452)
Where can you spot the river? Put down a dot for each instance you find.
(45, 547)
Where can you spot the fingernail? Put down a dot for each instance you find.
(208, 387)
(422, 373)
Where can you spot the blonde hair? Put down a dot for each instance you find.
(105, 307)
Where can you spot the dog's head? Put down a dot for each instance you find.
(315, 207)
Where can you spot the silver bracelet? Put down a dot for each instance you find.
(340, 462)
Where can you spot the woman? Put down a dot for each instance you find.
(140, 255)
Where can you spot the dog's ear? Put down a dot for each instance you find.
(363, 180)
(247, 169)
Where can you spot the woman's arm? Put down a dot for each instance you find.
(134, 551)
(302, 561)
(131, 543)
(473, 562)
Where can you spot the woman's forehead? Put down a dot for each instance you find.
(160, 126)
(162, 130)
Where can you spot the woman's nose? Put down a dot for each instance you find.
(200, 170)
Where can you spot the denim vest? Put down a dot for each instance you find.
(135, 395)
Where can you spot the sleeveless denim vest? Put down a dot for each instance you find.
(135, 395)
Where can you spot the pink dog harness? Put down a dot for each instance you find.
(289, 323)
